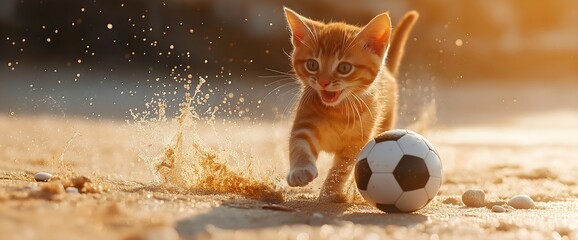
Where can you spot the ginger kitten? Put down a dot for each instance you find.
(349, 93)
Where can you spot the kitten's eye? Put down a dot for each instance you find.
(344, 68)
(312, 65)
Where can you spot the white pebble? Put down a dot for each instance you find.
(474, 198)
(498, 209)
(42, 176)
(522, 202)
(72, 190)
(317, 215)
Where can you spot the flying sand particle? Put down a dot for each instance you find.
(189, 165)
(459, 42)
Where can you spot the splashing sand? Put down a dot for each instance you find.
(187, 164)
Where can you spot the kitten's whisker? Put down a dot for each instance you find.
(316, 38)
(278, 88)
(313, 34)
(289, 73)
(312, 93)
(305, 44)
(349, 45)
(306, 95)
(343, 43)
(347, 113)
(277, 76)
(310, 32)
(362, 102)
(282, 75)
(292, 80)
(347, 102)
(352, 44)
(305, 98)
(360, 120)
(350, 106)
(287, 54)
(290, 104)
(290, 90)
(282, 86)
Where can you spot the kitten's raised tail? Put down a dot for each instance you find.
(398, 39)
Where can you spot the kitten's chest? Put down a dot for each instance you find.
(339, 132)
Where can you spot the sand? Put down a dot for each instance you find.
(170, 180)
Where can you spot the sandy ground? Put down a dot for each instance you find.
(513, 142)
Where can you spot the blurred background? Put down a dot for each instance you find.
(98, 59)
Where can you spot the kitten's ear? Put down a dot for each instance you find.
(299, 29)
(376, 33)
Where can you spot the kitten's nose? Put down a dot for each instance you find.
(323, 82)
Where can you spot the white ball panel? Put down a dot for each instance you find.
(366, 150)
(383, 188)
(423, 138)
(413, 145)
(433, 186)
(429, 144)
(434, 165)
(412, 132)
(412, 200)
(384, 157)
(367, 197)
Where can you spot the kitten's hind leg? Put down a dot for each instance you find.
(333, 189)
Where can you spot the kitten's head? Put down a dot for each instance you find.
(338, 60)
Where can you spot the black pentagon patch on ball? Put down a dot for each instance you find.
(411, 173)
(389, 208)
(362, 174)
(391, 135)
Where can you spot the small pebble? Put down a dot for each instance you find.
(72, 190)
(522, 202)
(42, 176)
(474, 198)
(498, 209)
(317, 215)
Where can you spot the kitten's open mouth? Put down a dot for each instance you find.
(329, 96)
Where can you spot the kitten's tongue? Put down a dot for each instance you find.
(329, 96)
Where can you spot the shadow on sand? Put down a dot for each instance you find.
(247, 215)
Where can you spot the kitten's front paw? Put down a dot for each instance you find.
(301, 176)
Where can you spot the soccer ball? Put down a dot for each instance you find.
(398, 171)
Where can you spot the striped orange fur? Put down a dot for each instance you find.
(349, 93)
